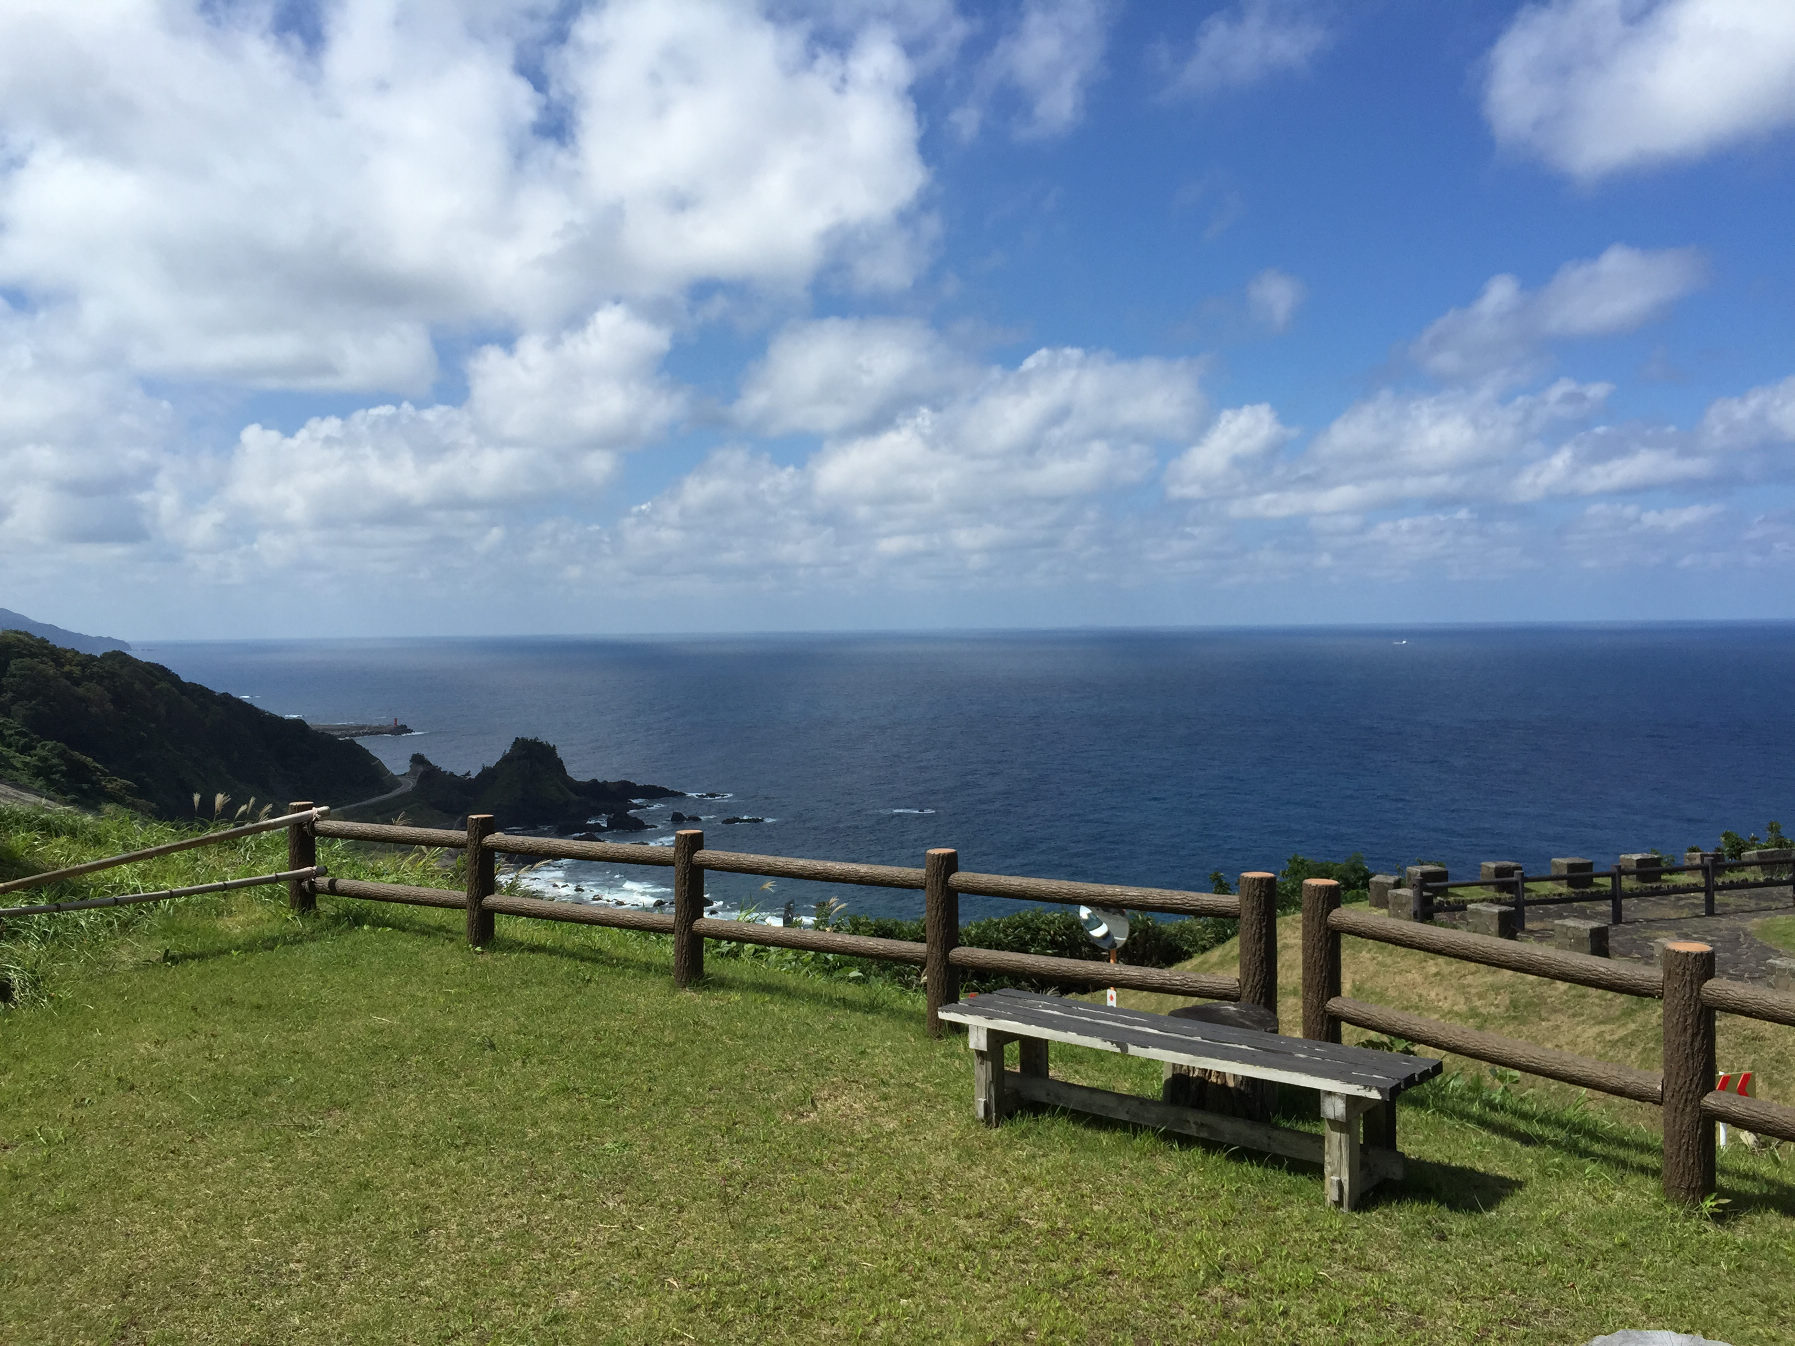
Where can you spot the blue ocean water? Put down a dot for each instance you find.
(1148, 757)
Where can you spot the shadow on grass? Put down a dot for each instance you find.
(1448, 1186)
(1583, 1134)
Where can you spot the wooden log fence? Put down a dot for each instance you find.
(1685, 983)
(939, 879)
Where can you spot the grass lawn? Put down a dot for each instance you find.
(1776, 931)
(234, 1126)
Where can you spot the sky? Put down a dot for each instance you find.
(372, 317)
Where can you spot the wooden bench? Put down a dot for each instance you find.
(1354, 1082)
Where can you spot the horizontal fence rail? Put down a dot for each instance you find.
(1096, 895)
(820, 871)
(297, 818)
(1077, 971)
(392, 833)
(1581, 969)
(1685, 983)
(162, 895)
(1645, 1086)
(561, 848)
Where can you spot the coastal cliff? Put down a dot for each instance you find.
(111, 729)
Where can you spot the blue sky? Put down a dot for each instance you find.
(363, 318)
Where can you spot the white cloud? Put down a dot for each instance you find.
(1499, 336)
(1445, 447)
(1594, 87)
(1009, 476)
(1049, 60)
(398, 463)
(1762, 416)
(1065, 423)
(837, 375)
(598, 387)
(1604, 461)
(210, 200)
(1249, 42)
(80, 445)
(1240, 440)
(1273, 298)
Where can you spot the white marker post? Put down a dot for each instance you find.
(1736, 1082)
(1108, 929)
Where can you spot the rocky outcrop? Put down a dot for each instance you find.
(530, 787)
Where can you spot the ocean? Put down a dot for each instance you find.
(1149, 757)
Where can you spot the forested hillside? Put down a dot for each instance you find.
(94, 729)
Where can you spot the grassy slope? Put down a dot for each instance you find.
(235, 1126)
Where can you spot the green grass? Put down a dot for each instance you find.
(221, 1123)
(1776, 931)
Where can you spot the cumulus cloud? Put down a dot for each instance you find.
(1501, 333)
(1010, 472)
(1247, 43)
(1762, 416)
(1240, 440)
(1273, 298)
(598, 387)
(1594, 87)
(1049, 59)
(837, 375)
(212, 199)
(1065, 423)
(398, 464)
(81, 445)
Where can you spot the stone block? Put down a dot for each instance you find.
(1574, 870)
(1424, 874)
(1489, 918)
(1782, 974)
(1405, 904)
(1381, 884)
(1496, 871)
(1781, 857)
(1579, 936)
(1647, 866)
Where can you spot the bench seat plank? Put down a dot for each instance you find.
(1355, 1071)
(1415, 1069)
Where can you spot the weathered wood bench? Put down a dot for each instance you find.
(1354, 1082)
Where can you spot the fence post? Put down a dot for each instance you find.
(1259, 941)
(1614, 899)
(941, 932)
(1321, 959)
(302, 853)
(1708, 858)
(481, 879)
(1520, 899)
(688, 906)
(1688, 1073)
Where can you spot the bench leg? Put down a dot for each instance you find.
(1342, 1173)
(1380, 1126)
(987, 1073)
(1033, 1054)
